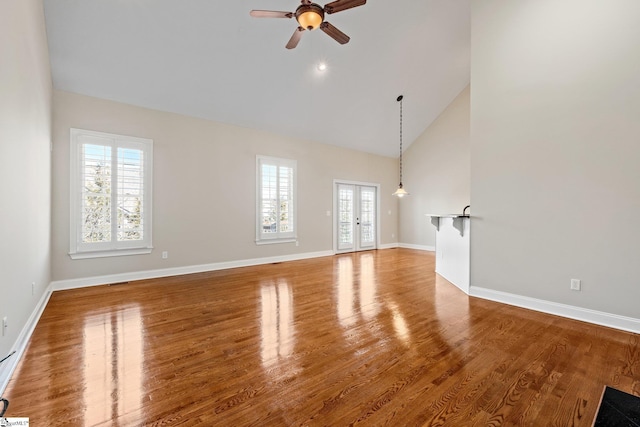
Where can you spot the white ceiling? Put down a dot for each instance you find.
(210, 59)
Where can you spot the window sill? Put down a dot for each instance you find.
(110, 253)
(275, 241)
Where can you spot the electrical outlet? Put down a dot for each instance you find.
(575, 284)
(165, 254)
(33, 288)
(5, 325)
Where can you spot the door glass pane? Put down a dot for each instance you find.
(345, 217)
(367, 216)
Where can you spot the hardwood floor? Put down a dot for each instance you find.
(374, 338)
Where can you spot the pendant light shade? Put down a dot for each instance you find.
(400, 192)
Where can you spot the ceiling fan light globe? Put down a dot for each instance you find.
(309, 16)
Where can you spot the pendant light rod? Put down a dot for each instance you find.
(400, 101)
(400, 192)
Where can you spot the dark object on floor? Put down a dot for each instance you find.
(5, 402)
(5, 405)
(618, 409)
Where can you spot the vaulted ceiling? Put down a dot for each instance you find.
(210, 59)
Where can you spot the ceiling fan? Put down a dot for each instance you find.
(311, 16)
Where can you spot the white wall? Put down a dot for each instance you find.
(436, 173)
(555, 150)
(204, 187)
(25, 135)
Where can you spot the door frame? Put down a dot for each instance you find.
(334, 221)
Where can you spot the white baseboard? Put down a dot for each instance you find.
(615, 321)
(84, 282)
(20, 345)
(418, 247)
(388, 246)
(457, 285)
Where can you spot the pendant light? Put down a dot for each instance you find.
(400, 192)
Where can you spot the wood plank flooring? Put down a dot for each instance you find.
(374, 338)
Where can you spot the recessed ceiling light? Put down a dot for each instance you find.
(322, 66)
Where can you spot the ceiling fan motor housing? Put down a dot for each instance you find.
(310, 16)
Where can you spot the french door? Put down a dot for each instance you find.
(356, 217)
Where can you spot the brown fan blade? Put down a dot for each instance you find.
(295, 38)
(340, 5)
(334, 33)
(270, 14)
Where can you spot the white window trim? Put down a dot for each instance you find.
(262, 239)
(78, 250)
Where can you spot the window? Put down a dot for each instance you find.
(110, 194)
(276, 200)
